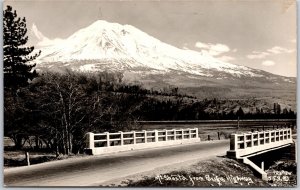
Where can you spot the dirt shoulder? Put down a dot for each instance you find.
(217, 171)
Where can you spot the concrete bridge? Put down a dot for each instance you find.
(243, 146)
(104, 168)
(123, 141)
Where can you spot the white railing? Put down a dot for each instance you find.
(248, 143)
(113, 142)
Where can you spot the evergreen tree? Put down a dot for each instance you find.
(278, 109)
(275, 108)
(17, 57)
(240, 112)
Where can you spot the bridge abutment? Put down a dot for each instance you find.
(243, 146)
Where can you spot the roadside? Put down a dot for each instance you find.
(17, 158)
(217, 171)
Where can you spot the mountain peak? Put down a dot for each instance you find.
(126, 47)
(102, 25)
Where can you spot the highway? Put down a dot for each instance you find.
(95, 170)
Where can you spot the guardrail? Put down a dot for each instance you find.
(121, 141)
(252, 142)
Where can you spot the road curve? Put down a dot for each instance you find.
(94, 170)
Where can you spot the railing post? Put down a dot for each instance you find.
(174, 130)
(233, 142)
(156, 135)
(107, 139)
(251, 142)
(197, 134)
(166, 132)
(245, 142)
(189, 133)
(134, 137)
(90, 140)
(182, 134)
(270, 137)
(121, 138)
(145, 136)
(280, 134)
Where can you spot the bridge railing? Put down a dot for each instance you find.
(135, 139)
(247, 143)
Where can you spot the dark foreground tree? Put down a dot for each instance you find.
(18, 70)
(18, 66)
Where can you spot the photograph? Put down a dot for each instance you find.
(150, 93)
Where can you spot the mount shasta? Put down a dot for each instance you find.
(112, 47)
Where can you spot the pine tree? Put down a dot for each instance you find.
(17, 57)
(275, 108)
(278, 109)
(240, 112)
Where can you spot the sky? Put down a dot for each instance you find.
(259, 34)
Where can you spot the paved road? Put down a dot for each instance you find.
(94, 170)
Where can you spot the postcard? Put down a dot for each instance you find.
(113, 93)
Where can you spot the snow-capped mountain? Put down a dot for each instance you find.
(114, 47)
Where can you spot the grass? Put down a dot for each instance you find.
(20, 160)
(219, 172)
(16, 158)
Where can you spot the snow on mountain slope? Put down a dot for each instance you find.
(124, 46)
